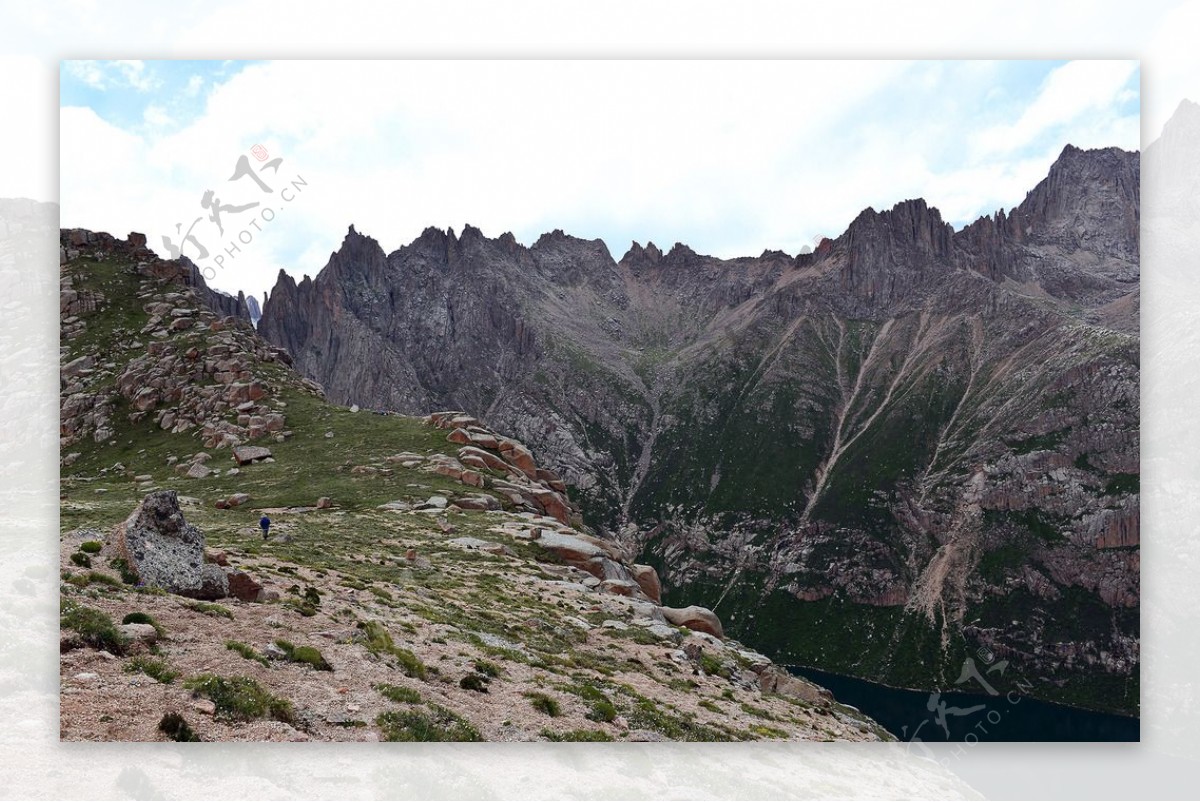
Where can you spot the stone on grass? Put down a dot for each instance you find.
(434, 503)
(244, 455)
(197, 470)
(165, 551)
(243, 586)
(139, 632)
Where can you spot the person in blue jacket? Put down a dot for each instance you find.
(265, 523)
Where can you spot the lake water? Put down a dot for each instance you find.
(967, 716)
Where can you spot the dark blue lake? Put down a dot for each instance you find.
(967, 716)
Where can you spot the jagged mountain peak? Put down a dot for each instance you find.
(637, 256)
(902, 379)
(911, 222)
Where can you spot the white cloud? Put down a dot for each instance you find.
(156, 116)
(1069, 92)
(104, 75)
(135, 75)
(729, 157)
(87, 71)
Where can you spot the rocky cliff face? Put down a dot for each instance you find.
(877, 458)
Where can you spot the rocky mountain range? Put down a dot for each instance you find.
(908, 448)
(309, 571)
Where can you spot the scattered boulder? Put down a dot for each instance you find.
(773, 679)
(243, 586)
(480, 502)
(165, 551)
(647, 579)
(519, 456)
(478, 458)
(553, 504)
(324, 503)
(244, 455)
(405, 456)
(569, 547)
(698, 619)
(197, 470)
(621, 587)
(78, 366)
(434, 503)
(140, 633)
(475, 544)
(396, 506)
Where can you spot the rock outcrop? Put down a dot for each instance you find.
(190, 363)
(167, 552)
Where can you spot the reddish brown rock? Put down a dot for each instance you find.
(519, 456)
(243, 586)
(554, 505)
(647, 579)
(695, 618)
(482, 459)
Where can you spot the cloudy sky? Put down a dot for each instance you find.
(730, 157)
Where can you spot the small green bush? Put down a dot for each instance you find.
(763, 731)
(576, 735)
(91, 546)
(544, 703)
(247, 651)
(93, 626)
(474, 682)
(602, 710)
(303, 654)
(144, 618)
(380, 642)
(94, 578)
(176, 728)
(241, 698)
(208, 608)
(81, 559)
(398, 693)
(412, 725)
(714, 667)
(128, 575)
(487, 668)
(152, 667)
(757, 712)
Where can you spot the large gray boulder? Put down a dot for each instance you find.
(165, 551)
